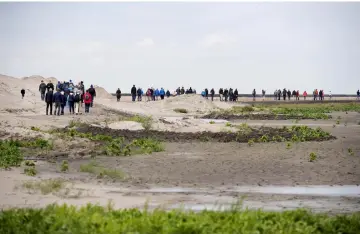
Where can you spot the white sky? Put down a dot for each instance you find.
(242, 45)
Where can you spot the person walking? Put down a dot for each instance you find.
(42, 90)
(71, 101)
(57, 100)
(22, 93)
(118, 94)
(162, 93)
(304, 94)
(133, 93)
(63, 102)
(254, 94)
(77, 100)
(358, 95)
(87, 101)
(212, 94)
(49, 101)
(92, 92)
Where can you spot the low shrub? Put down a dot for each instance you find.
(10, 154)
(181, 110)
(106, 220)
(94, 168)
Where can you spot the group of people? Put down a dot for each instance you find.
(152, 94)
(66, 95)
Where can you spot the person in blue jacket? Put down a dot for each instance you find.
(157, 94)
(162, 93)
(57, 100)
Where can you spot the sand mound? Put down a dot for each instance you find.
(38, 79)
(102, 93)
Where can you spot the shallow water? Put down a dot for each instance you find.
(322, 190)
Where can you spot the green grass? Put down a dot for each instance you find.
(181, 110)
(145, 121)
(61, 219)
(45, 186)
(118, 147)
(312, 157)
(100, 171)
(64, 166)
(10, 154)
(30, 171)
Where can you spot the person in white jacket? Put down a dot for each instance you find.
(330, 95)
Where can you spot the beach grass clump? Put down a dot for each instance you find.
(106, 220)
(10, 154)
(101, 172)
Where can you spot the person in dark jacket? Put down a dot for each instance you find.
(284, 92)
(118, 94)
(22, 93)
(42, 90)
(182, 90)
(206, 93)
(221, 94)
(226, 94)
(167, 93)
(254, 94)
(77, 100)
(92, 92)
(57, 100)
(133, 93)
(71, 101)
(49, 86)
(289, 94)
(49, 101)
(236, 95)
(212, 94)
(63, 101)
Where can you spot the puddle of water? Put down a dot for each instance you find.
(346, 190)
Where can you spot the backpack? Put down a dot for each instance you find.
(87, 96)
(77, 98)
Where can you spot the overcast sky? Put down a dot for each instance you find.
(241, 45)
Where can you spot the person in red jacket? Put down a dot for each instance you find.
(87, 100)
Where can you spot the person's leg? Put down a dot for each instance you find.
(59, 107)
(51, 107)
(47, 108)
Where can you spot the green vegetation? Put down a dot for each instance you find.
(101, 172)
(75, 123)
(181, 110)
(10, 154)
(30, 171)
(106, 220)
(212, 122)
(64, 166)
(33, 128)
(295, 111)
(228, 124)
(251, 142)
(312, 157)
(351, 152)
(337, 122)
(29, 163)
(44, 186)
(118, 147)
(146, 121)
(288, 145)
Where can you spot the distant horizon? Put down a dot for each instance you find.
(258, 92)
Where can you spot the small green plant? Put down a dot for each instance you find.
(181, 110)
(288, 145)
(64, 166)
(101, 172)
(251, 142)
(264, 138)
(29, 163)
(10, 154)
(33, 128)
(312, 157)
(212, 122)
(337, 122)
(351, 152)
(74, 123)
(228, 124)
(30, 171)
